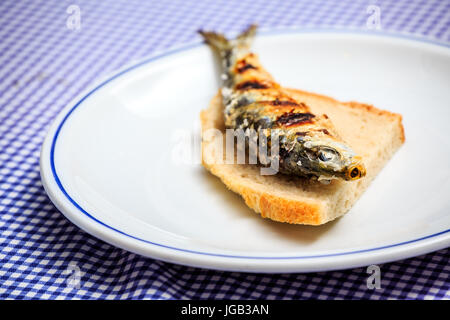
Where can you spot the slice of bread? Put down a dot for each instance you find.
(372, 133)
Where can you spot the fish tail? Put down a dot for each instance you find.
(246, 37)
(220, 43)
(216, 40)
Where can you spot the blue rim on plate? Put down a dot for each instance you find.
(197, 44)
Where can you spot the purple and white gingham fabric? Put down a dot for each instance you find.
(44, 64)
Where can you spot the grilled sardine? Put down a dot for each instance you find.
(308, 143)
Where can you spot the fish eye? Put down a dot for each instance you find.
(354, 173)
(327, 154)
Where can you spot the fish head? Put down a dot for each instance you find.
(329, 159)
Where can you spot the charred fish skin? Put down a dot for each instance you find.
(309, 145)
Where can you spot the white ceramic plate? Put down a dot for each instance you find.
(115, 160)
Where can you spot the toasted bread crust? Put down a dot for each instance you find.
(270, 206)
(306, 207)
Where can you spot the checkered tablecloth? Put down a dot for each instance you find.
(46, 59)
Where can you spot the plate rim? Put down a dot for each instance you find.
(67, 204)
